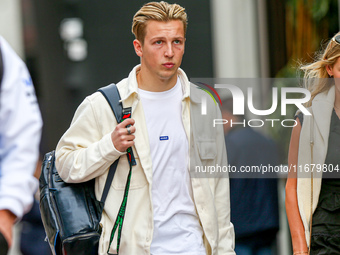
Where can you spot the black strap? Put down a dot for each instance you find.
(109, 179)
(112, 96)
(111, 93)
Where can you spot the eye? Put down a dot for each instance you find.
(158, 42)
(177, 41)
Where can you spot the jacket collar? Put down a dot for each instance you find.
(129, 87)
(196, 94)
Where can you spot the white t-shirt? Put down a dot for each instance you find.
(176, 225)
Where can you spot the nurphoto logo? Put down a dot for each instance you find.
(239, 103)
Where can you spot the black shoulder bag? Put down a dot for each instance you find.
(70, 212)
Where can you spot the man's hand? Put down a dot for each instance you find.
(7, 220)
(121, 138)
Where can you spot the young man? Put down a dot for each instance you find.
(167, 211)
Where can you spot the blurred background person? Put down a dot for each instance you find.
(20, 132)
(253, 200)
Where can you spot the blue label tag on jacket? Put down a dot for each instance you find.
(163, 138)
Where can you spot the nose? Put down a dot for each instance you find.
(169, 52)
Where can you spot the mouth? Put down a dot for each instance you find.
(169, 65)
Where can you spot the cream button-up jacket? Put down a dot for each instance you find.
(86, 151)
(321, 110)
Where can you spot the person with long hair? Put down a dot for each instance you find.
(313, 188)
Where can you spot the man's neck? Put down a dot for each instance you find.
(155, 84)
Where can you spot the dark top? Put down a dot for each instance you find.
(253, 201)
(332, 160)
(326, 218)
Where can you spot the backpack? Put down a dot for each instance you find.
(70, 212)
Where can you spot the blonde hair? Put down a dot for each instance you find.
(159, 11)
(316, 75)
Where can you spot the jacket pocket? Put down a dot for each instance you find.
(138, 178)
(207, 149)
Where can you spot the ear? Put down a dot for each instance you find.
(329, 70)
(138, 47)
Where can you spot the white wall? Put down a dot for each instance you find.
(10, 24)
(235, 41)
